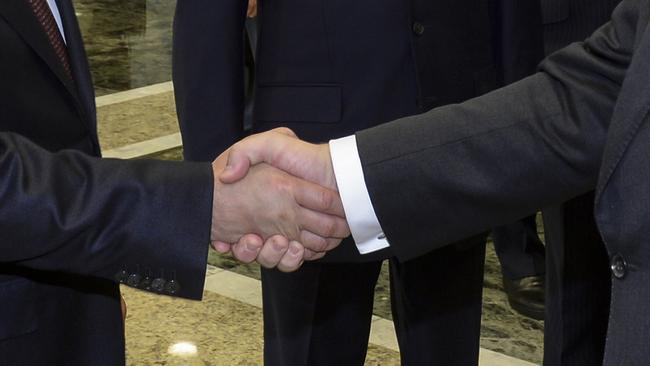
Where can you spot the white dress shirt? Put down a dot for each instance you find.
(361, 216)
(57, 17)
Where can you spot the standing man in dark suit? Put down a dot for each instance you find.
(326, 69)
(584, 116)
(72, 225)
(518, 246)
(577, 305)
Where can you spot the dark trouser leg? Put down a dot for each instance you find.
(437, 305)
(319, 315)
(519, 249)
(578, 286)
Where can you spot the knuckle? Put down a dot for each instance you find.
(326, 200)
(317, 243)
(235, 149)
(278, 244)
(280, 184)
(328, 228)
(285, 131)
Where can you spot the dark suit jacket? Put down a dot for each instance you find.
(72, 224)
(467, 167)
(325, 71)
(577, 293)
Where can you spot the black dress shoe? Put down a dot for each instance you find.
(526, 296)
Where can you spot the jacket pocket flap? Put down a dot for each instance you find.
(298, 103)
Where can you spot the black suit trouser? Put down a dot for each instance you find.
(577, 287)
(321, 315)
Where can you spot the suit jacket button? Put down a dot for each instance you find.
(158, 285)
(121, 276)
(618, 266)
(145, 284)
(418, 28)
(133, 280)
(172, 287)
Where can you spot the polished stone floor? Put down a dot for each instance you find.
(219, 330)
(129, 46)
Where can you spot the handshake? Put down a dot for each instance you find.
(276, 201)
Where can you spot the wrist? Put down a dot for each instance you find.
(330, 177)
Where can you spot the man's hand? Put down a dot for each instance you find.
(278, 207)
(282, 149)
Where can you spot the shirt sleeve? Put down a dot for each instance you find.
(364, 225)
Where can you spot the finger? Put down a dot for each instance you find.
(263, 147)
(323, 225)
(247, 248)
(239, 162)
(273, 250)
(317, 243)
(310, 255)
(221, 247)
(315, 197)
(285, 131)
(293, 258)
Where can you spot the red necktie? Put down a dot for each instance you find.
(44, 15)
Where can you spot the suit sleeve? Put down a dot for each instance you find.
(461, 169)
(208, 63)
(68, 212)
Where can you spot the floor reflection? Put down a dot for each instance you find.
(128, 41)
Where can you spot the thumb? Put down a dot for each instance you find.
(237, 166)
(285, 131)
(221, 247)
(253, 150)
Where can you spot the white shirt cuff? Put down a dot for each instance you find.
(360, 214)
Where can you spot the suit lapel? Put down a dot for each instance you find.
(22, 19)
(632, 108)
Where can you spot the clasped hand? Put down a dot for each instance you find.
(276, 201)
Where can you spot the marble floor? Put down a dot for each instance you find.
(129, 46)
